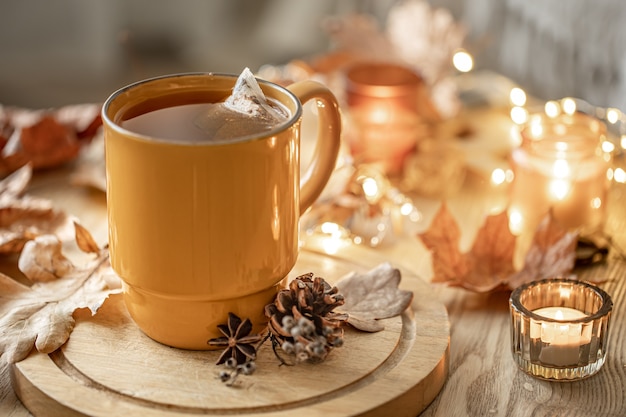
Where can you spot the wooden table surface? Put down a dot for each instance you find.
(483, 378)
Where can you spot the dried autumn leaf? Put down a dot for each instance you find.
(442, 238)
(45, 138)
(489, 264)
(41, 259)
(23, 218)
(552, 253)
(372, 296)
(41, 315)
(491, 256)
(85, 241)
(14, 185)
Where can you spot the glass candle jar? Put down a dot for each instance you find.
(559, 166)
(384, 118)
(559, 328)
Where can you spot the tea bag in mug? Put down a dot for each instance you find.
(246, 111)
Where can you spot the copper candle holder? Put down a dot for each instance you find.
(385, 124)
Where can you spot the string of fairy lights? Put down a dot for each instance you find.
(614, 119)
(397, 212)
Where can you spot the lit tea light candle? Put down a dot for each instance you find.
(559, 328)
(559, 166)
(563, 339)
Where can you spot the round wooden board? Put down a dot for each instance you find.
(108, 367)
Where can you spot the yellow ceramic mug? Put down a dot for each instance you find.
(200, 229)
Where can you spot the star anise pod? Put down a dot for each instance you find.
(237, 339)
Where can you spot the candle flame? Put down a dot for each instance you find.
(558, 315)
(561, 169)
(559, 188)
(379, 115)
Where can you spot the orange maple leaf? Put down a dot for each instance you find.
(442, 238)
(489, 263)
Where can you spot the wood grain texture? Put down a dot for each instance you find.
(109, 367)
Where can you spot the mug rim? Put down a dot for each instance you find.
(294, 117)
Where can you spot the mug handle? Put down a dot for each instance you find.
(314, 180)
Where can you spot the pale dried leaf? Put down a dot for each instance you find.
(27, 218)
(366, 325)
(41, 315)
(85, 241)
(17, 338)
(552, 253)
(22, 217)
(10, 290)
(372, 296)
(14, 185)
(41, 259)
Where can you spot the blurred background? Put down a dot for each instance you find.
(76, 51)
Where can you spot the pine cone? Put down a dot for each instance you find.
(302, 320)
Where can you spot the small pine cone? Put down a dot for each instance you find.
(313, 300)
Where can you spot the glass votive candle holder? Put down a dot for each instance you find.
(559, 167)
(559, 328)
(385, 118)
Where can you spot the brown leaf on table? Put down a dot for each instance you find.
(373, 296)
(85, 241)
(489, 265)
(41, 315)
(14, 185)
(22, 217)
(442, 238)
(45, 144)
(45, 138)
(552, 253)
(491, 256)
